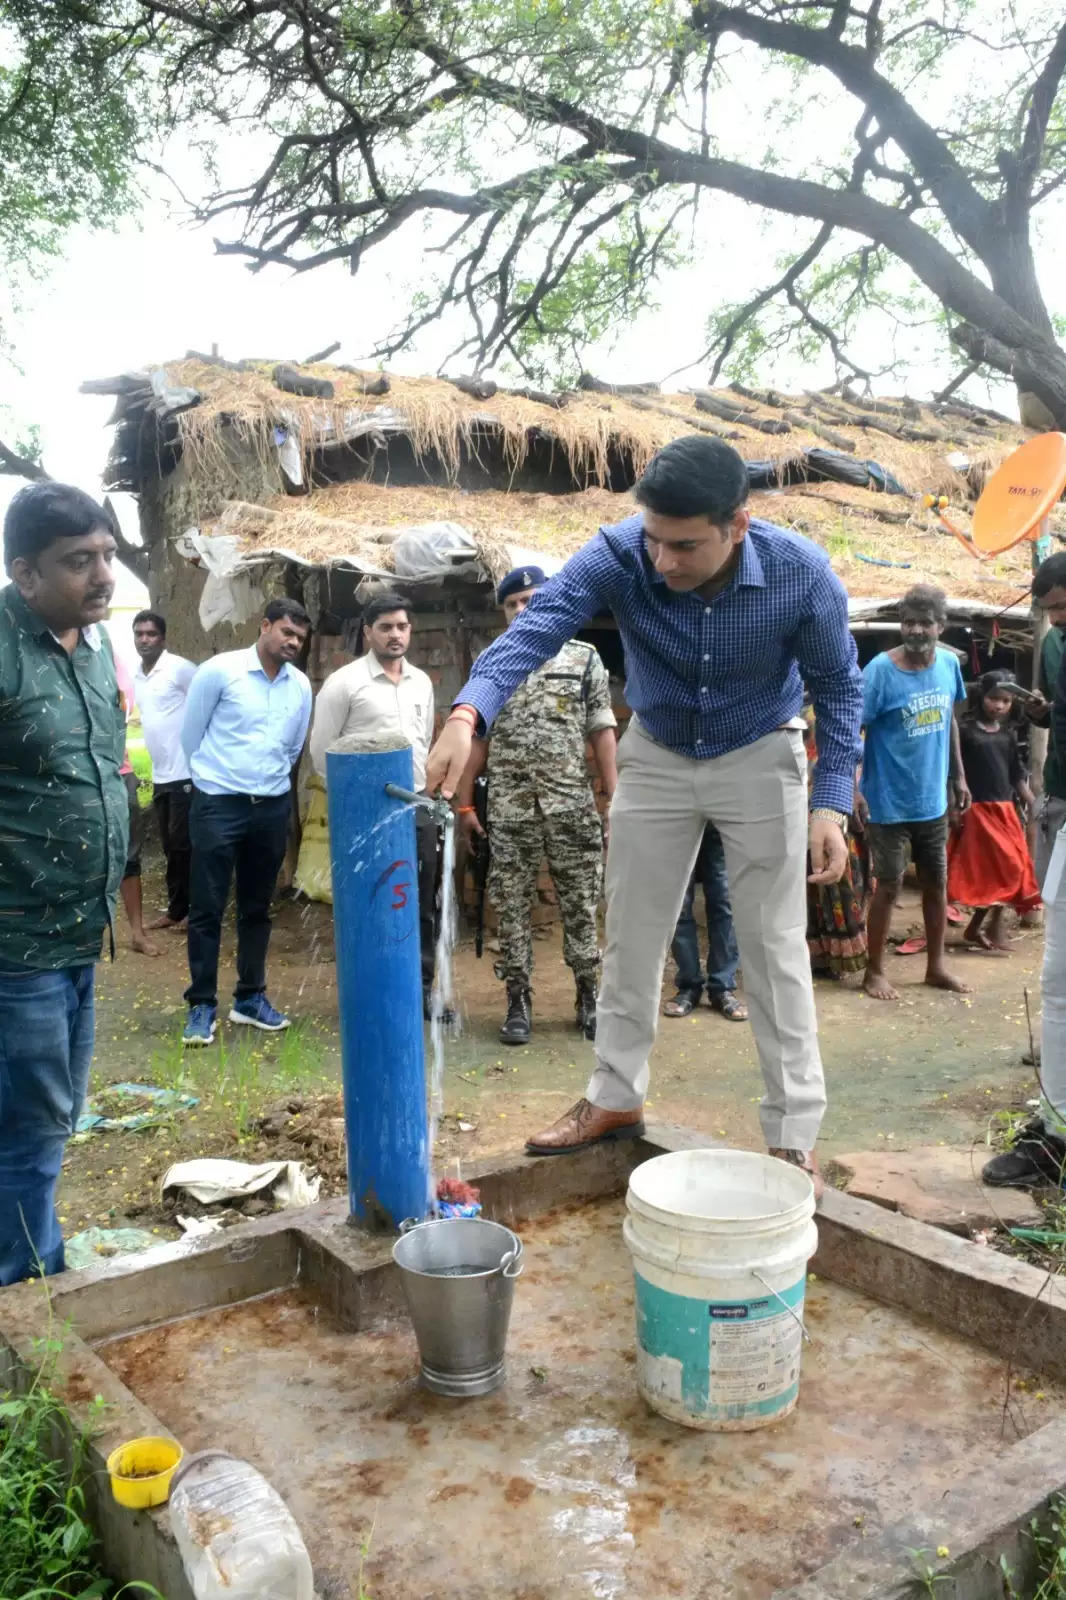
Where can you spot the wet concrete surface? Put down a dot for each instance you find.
(563, 1484)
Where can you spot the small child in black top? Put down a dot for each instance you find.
(988, 858)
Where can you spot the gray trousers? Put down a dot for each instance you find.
(1050, 817)
(757, 799)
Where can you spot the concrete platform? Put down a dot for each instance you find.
(937, 1185)
(564, 1483)
(286, 1343)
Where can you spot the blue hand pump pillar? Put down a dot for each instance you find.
(379, 980)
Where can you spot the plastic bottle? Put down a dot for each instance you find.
(237, 1537)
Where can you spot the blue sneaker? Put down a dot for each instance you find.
(257, 1012)
(200, 1028)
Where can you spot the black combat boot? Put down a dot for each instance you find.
(585, 1006)
(518, 1023)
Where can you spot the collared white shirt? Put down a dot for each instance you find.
(243, 731)
(362, 698)
(161, 694)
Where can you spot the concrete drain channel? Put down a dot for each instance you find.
(912, 1451)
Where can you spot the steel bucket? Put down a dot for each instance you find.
(460, 1319)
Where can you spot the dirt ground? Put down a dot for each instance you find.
(933, 1068)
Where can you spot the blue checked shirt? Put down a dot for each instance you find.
(704, 676)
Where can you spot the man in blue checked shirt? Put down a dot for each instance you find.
(724, 619)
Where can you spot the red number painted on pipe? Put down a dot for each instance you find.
(398, 889)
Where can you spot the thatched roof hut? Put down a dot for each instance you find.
(246, 487)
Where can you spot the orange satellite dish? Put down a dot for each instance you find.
(1017, 497)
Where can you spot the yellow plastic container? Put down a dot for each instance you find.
(314, 877)
(141, 1470)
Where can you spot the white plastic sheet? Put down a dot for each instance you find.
(232, 592)
(209, 1179)
(431, 549)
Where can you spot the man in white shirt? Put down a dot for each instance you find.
(246, 719)
(161, 683)
(382, 692)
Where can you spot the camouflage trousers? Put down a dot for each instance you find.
(574, 848)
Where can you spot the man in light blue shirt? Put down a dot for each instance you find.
(246, 719)
(912, 747)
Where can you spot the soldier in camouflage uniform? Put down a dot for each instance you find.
(540, 803)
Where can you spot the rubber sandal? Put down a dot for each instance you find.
(728, 1006)
(911, 947)
(682, 1005)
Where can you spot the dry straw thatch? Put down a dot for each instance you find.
(357, 521)
(603, 437)
(590, 428)
(440, 421)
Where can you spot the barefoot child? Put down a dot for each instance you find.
(988, 858)
(912, 745)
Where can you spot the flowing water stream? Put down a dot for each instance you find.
(442, 1012)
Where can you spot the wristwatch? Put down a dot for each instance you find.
(826, 813)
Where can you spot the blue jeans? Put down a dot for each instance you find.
(722, 953)
(46, 1046)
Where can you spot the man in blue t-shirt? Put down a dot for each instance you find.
(911, 753)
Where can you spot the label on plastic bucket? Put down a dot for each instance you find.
(720, 1361)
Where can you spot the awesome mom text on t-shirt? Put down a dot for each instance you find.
(908, 737)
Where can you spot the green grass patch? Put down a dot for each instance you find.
(240, 1076)
(48, 1551)
(1047, 1535)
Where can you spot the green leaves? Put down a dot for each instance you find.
(69, 123)
(607, 283)
(47, 1548)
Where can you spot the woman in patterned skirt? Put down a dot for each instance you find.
(836, 912)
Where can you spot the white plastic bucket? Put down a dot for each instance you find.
(720, 1241)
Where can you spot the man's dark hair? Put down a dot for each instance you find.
(694, 477)
(284, 607)
(382, 604)
(925, 599)
(158, 623)
(1050, 574)
(44, 512)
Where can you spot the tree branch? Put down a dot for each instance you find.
(968, 212)
(359, 173)
(727, 338)
(957, 382)
(14, 465)
(133, 556)
(1041, 104)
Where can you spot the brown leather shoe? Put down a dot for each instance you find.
(809, 1163)
(585, 1124)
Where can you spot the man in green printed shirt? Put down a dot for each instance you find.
(63, 836)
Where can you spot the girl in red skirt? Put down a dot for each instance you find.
(988, 858)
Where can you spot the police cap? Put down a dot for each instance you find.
(518, 580)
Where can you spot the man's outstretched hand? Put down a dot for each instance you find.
(447, 760)
(829, 851)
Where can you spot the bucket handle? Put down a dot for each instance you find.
(798, 1320)
(510, 1260)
